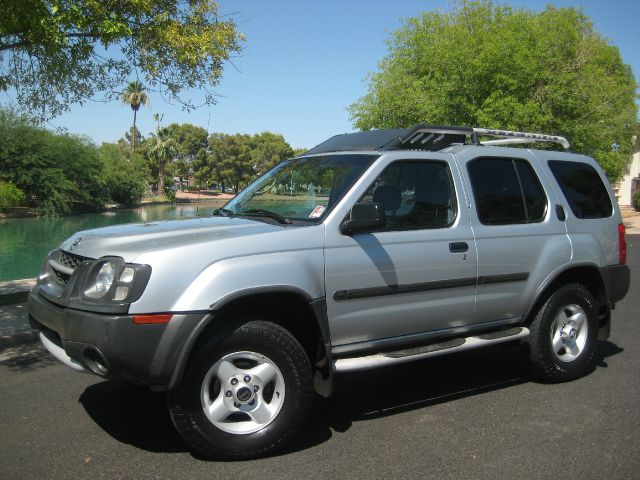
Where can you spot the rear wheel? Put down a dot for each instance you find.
(564, 335)
(245, 393)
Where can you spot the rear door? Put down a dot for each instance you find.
(519, 237)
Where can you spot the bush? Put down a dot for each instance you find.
(170, 194)
(636, 200)
(125, 180)
(10, 195)
(57, 173)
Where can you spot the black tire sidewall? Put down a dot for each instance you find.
(549, 366)
(285, 352)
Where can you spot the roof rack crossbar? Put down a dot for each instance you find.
(511, 137)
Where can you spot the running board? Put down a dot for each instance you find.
(432, 350)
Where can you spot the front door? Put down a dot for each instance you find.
(416, 275)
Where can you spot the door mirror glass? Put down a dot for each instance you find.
(363, 217)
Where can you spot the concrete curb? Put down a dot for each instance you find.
(14, 292)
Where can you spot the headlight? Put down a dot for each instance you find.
(110, 280)
(103, 281)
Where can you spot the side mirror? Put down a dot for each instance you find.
(363, 217)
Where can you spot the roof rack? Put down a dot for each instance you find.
(429, 138)
(508, 137)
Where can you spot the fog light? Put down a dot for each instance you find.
(121, 293)
(127, 275)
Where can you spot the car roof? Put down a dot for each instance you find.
(429, 138)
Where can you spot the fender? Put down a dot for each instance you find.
(300, 270)
(552, 278)
(318, 307)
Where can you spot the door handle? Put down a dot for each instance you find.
(458, 247)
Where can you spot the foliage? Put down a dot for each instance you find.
(267, 150)
(10, 195)
(170, 193)
(163, 150)
(191, 143)
(126, 180)
(299, 151)
(134, 96)
(490, 65)
(636, 201)
(58, 52)
(238, 159)
(55, 172)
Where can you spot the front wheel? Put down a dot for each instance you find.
(564, 335)
(245, 393)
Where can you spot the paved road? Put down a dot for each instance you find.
(473, 415)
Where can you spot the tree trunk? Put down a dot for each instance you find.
(161, 178)
(133, 148)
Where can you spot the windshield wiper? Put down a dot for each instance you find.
(265, 213)
(225, 212)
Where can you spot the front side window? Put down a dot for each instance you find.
(583, 189)
(415, 195)
(506, 191)
(302, 189)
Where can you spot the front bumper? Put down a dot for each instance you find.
(112, 345)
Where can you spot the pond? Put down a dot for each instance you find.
(24, 242)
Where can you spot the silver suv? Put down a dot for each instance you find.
(371, 249)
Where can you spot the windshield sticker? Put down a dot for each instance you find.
(317, 212)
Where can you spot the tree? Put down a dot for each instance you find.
(126, 178)
(57, 173)
(268, 149)
(163, 151)
(490, 65)
(58, 52)
(134, 95)
(191, 144)
(238, 159)
(231, 155)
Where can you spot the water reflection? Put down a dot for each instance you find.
(24, 242)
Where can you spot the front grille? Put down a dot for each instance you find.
(63, 264)
(70, 260)
(62, 278)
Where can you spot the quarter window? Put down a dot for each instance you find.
(415, 195)
(583, 189)
(506, 191)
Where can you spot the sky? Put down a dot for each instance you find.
(305, 62)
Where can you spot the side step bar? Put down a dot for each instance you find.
(432, 350)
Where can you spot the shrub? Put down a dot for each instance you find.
(10, 195)
(636, 200)
(125, 180)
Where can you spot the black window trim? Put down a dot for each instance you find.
(513, 164)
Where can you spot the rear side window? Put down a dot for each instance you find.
(506, 191)
(583, 189)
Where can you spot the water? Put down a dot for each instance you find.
(24, 242)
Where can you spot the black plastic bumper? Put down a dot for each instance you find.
(617, 279)
(113, 345)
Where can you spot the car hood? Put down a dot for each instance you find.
(131, 240)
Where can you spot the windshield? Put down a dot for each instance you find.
(302, 189)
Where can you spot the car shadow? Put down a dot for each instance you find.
(139, 417)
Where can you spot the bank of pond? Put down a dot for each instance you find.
(24, 242)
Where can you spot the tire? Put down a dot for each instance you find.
(564, 335)
(257, 380)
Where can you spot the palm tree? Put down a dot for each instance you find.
(134, 95)
(165, 150)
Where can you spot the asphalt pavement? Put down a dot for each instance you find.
(471, 415)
